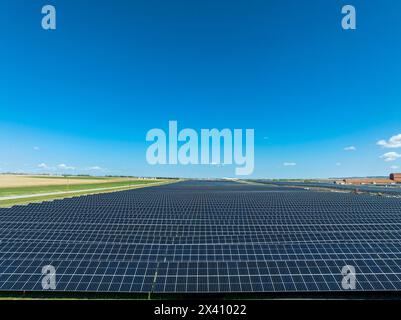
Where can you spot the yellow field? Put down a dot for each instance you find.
(23, 189)
(10, 181)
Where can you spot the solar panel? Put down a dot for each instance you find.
(203, 236)
(394, 190)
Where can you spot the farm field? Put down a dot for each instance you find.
(10, 180)
(19, 189)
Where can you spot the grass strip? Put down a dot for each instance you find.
(24, 201)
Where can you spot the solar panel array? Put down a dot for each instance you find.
(393, 190)
(203, 236)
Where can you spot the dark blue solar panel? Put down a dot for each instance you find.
(390, 189)
(204, 236)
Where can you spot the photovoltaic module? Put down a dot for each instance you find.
(204, 237)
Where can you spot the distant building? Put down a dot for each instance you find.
(369, 181)
(393, 179)
(396, 177)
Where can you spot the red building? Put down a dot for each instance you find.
(396, 177)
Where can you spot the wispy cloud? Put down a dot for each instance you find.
(350, 148)
(394, 167)
(36, 148)
(46, 167)
(289, 164)
(63, 166)
(390, 156)
(95, 168)
(338, 164)
(393, 142)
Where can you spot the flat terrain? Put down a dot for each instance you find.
(392, 190)
(12, 181)
(14, 191)
(19, 189)
(204, 237)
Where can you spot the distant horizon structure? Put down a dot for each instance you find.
(396, 177)
(393, 178)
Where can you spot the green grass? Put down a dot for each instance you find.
(17, 191)
(39, 198)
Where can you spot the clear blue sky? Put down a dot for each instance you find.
(85, 95)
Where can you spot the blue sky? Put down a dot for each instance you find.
(81, 99)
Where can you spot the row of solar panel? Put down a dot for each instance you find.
(203, 237)
(187, 277)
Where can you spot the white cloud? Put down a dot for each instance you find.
(289, 164)
(393, 142)
(394, 167)
(43, 166)
(36, 148)
(350, 148)
(390, 156)
(65, 167)
(95, 168)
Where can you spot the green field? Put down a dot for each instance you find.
(17, 191)
(39, 193)
(39, 198)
